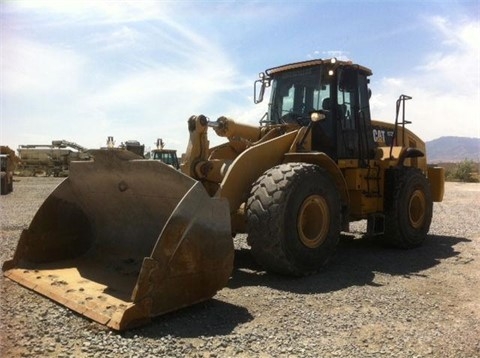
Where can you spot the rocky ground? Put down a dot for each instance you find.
(371, 301)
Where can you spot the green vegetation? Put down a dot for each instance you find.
(466, 171)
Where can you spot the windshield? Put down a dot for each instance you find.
(297, 93)
(166, 157)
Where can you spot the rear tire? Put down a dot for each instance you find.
(294, 219)
(409, 207)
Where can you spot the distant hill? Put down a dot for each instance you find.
(453, 149)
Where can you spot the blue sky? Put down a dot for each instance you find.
(85, 70)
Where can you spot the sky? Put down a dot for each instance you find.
(137, 70)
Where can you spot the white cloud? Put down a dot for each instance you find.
(445, 87)
(338, 54)
(120, 38)
(83, 98)
(39, 88)
(31, 67)
(100, 11)
(114, 74)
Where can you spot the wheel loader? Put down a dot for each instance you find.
(168, 156)
(124, 239)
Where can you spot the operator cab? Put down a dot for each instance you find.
(337, 89)
(166, 156)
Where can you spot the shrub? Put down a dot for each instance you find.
(465, 171)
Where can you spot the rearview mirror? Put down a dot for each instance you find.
(259, 88)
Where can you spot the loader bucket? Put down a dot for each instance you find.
(122, 240)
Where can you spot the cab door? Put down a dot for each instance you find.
(354, 132)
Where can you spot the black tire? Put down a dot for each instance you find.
(409, 206)
(294, 219)
(3, 185)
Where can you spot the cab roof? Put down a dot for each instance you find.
(311, 63)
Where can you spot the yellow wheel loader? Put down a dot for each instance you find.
(124, 239)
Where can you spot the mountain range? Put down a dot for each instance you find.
(453, 149)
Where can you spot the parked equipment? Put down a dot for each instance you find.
(167, 156)
(7, 167)
(49, 159)
(125, 239)
(133, 146)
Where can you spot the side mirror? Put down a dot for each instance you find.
(259, 88)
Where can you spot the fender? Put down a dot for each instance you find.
(250, 165)
(409, 153)
(324, 161)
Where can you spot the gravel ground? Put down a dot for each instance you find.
(369, 302)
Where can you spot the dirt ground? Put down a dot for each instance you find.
(371, 301)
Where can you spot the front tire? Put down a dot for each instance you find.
(294, 219)
(3, 185)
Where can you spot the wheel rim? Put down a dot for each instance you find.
(313, 221)
(416, 209)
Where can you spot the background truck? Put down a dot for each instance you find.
(49, 159)
(125, 239)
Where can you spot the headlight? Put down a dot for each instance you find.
(317, 116)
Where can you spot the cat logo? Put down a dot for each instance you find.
(379, 135)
